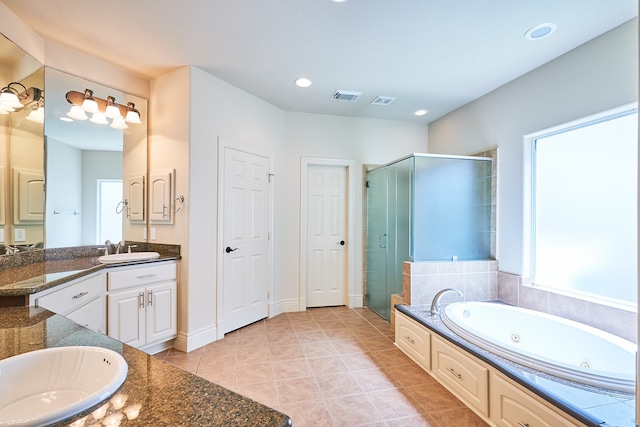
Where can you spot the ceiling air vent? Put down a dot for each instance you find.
(344, 95)
(383, 100)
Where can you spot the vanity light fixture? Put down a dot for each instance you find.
(83, 103)
(15, 95)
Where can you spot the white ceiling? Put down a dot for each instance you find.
(433, 54)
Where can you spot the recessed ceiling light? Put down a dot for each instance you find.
(421, 112)
(66, 119)
(303, 82)
(540, 31)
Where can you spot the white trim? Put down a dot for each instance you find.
(292, 306)
(193, 340)
(224, 143)
(351, 297)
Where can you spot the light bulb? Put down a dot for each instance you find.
(10, 99)
(118, 123)
(112, 110)
(77, 113)
(89, 104)
(99, 118)
(119, 400)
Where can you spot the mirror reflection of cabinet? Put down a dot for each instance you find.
(21, 150)
(136, 198)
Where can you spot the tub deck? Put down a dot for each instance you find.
(588, 404)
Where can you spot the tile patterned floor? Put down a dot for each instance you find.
(327, 367)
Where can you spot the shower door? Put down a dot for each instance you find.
(376, 244)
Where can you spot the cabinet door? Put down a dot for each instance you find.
(414, 340)
(160, 186)
(127, 316)
(513, 407)
(91, 315)
(464, 377)
(161, 316)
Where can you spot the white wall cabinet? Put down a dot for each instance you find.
(142, 305)
(161, 196)
(498, 400)
(81, 300)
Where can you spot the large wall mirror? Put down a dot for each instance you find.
(65, 181)
(96, 166)
(21, 149)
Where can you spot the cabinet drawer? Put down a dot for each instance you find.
(68, 299)
(513, 407)
(464, 377)
(141, 276)
(91, 315)
(414, 340)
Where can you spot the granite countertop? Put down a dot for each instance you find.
(167, 395)
(583, 402)
(39, 276)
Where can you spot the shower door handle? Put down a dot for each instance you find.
(380, 244)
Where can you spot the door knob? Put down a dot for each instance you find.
(341, 242)
(228, 249)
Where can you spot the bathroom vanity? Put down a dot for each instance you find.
(155, 393)
(134, 302)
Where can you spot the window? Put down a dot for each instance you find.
(584, 215)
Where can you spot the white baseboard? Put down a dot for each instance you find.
(356, 301)
(293, 305)
(190, 341)
(276, 308)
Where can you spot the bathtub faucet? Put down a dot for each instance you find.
(435, 304)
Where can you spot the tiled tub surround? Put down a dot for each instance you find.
(166, 394)
(591, 406)
(518, 291)
(27, 273)
(482, 281)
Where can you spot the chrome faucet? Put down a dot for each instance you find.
(121, 244)
(435, 304)
(9, 250)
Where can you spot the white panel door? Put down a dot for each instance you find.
(246, 238)
(326, 235)
(160, 186)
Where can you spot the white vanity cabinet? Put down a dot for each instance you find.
(81, 300)
(142, 305)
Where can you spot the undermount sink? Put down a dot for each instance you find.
(126, 257)
(46, 386)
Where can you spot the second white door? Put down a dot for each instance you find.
(326, 235)
(246, 238)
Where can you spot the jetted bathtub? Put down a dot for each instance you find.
(547, 343)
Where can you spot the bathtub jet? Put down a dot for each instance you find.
(546, 343)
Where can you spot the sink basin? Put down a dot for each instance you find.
(126, 257)
(45, 386)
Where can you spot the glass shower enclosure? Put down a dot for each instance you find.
(424, 207)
